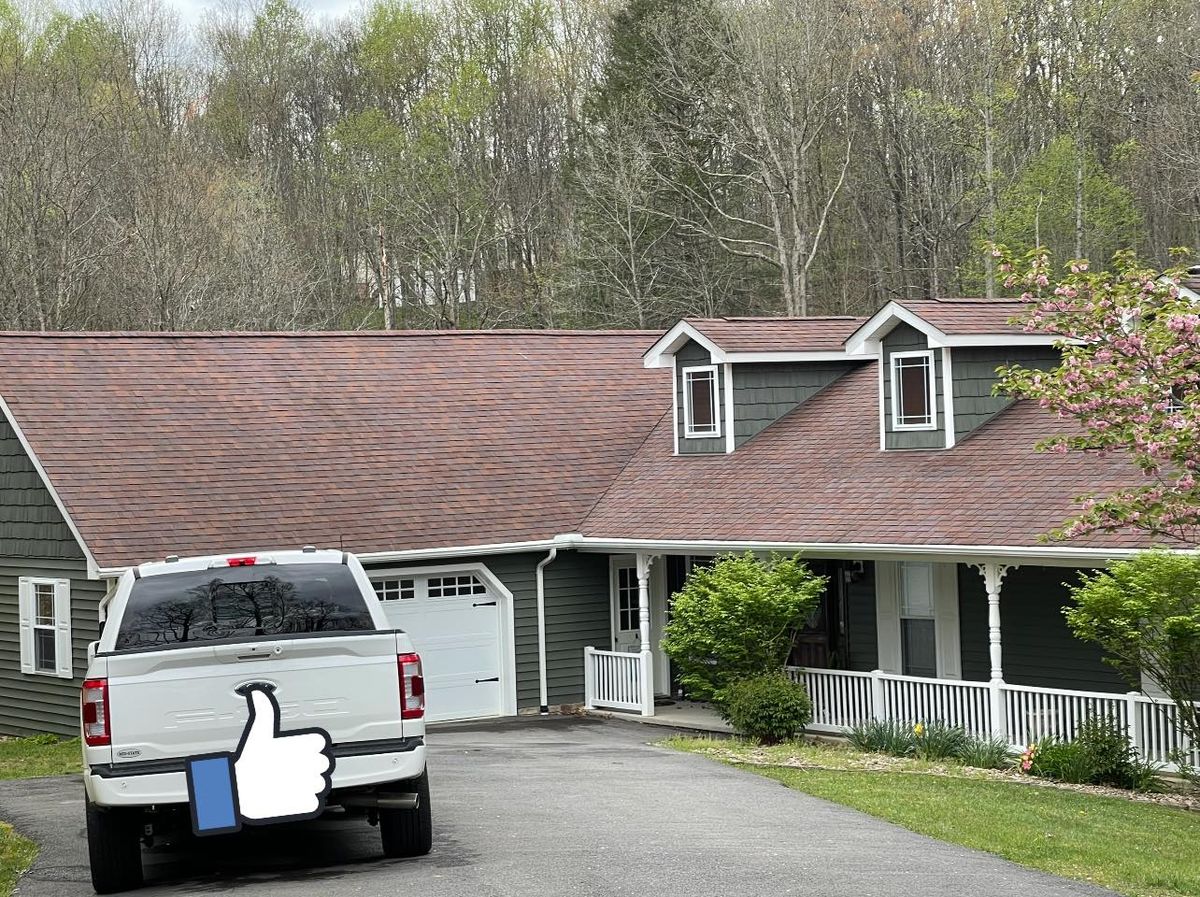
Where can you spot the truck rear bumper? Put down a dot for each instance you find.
(158, 782)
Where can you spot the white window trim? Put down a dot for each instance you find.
(931, 384)
(63, 653)
(888, 575)
(688, 431)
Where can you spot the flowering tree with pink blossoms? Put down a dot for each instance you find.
(1129, 379)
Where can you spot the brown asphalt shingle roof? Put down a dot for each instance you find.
(962, 317)
(778, 334)
(195, 444)
(817, 475)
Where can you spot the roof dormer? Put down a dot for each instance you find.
(937, 365)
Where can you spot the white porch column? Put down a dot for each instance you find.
(644, 562)
(993, 574)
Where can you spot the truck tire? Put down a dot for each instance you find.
(409, 833)
(114, 848)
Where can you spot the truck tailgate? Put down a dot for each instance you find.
(185, 701)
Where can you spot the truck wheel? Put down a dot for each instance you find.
(114, 848)
(409, 833)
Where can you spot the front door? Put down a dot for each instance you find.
(625, 608)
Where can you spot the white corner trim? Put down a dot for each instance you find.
(659, 355)
(93, 569)
(688, 431)
(931, 390)
(676, 386)
(948, 397)
(882, 408)
(727, 369)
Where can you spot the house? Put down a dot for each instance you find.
(525, 502)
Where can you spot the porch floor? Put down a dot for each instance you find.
(690, 715)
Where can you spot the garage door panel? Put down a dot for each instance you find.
(458, 638)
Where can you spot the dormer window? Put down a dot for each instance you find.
(700, 416)
(913, 405)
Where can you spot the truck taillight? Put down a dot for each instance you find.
(93, 708)
(242, 562)
(412, 686)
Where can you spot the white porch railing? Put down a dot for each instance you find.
(618, 680)
(1020, 714)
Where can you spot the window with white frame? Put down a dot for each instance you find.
(913, 393)
(628, 601)
(701, 414)
(918, 621)
(45, 625)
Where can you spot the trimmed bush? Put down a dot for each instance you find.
(883, 737)
(736, 620)
(986, 753)
(770, 708)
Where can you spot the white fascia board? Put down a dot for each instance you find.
(93, 569)
(769, 357)
(659, 355)
(964, 554)
(1001, 339)
(864, 339)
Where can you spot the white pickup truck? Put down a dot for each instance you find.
(184, 646)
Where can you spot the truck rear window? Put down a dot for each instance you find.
(235, 603)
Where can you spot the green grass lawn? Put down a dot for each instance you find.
(24, 758)
(41, 755)
(16, 854)
(1139, 849)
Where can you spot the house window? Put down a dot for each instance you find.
(628, 618)
(45, 623)
(913, 406)
(918, 637)
(700, 402)
(455, 586)
(394, 589)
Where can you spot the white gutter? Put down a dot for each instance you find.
(543, 690)
(848, 550)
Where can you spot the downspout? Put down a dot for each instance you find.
(541, 621)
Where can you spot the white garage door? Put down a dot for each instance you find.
(454, 622)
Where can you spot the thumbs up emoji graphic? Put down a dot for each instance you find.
(273, 776)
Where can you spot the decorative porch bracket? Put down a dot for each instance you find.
(644, 562)
(993, 574)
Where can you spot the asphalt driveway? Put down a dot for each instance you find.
(556, 807)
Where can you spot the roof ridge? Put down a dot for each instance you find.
(305, 334)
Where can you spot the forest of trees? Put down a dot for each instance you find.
(578, 163)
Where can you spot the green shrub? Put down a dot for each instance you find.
(883, 737)
(1065, 761)
(1100, 755)
(770, 708)
(937, 741)
(986, 753)
(736, 619)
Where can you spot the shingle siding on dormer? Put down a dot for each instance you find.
(908, 339)
(763, 393)
(973, 371)
(692, 354)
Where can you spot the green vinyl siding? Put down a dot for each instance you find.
(973, 374)
(692, 354)
(577, 615)
(36, 542)
(862, 639)
(763, 393)
(905, 338)
(1038, 648)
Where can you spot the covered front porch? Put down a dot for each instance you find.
(910, 641)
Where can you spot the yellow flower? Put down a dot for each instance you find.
(919, 729)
